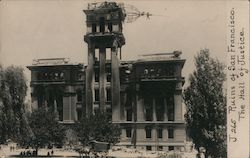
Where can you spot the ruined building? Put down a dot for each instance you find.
(143, 96)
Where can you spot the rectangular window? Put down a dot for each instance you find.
(97, 75)
(159, 133)
(129, 114)
(170, 148)
(149, 115)
(108, 77)
(108, 94)
(79, 96)
(128, 132)
(97, 98)
(170, 132)
(93, 28)
(148, 148)
(110, 27)
(148, 132)
(102, 24)
(170, 106)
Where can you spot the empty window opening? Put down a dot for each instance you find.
(129, 114)
(102, 24)
(171, 148)
(170, 106)
(128, 132)
(148, 132)
(170, 132)
(149, 148)
(94, 28)
(159, 132)
(108, 95)
(79, 95)
(97, 75)
(110, 27)
(97, 98)
(108, 77)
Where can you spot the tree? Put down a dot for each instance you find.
(13, 90)
(46, 130)
(97, 127)
(206, 105)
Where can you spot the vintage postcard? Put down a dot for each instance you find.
(124, 78)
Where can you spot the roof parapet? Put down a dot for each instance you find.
(52, 61)
(161, 56)
(102, 5)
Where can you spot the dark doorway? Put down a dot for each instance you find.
(55, 98)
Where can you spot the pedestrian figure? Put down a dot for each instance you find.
(48, 154)
(52, 152)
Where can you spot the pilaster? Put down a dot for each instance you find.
(102, 79)
(89, 79)
(115, 85)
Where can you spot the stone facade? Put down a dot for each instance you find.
(143, 96)
(58, 84)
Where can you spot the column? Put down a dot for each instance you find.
(69, 105)
(89, 79)
(115, 85)
(73, 100)
(140, 109)
(66, 108)
(178, 101)
(166, 109)
(165, 133)
(34, 98)
(55, 109)
(154, 110)
(102, 78)
(46, 98)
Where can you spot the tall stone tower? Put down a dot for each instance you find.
(105, 39)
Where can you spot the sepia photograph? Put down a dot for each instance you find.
(124, 78)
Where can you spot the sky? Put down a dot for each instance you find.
(33, 29)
